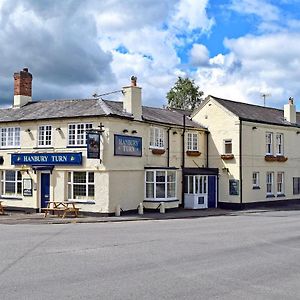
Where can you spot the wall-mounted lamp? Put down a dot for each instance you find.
(28, 130)
(133, 131)
(174, 132)
(298, 132)
(225, 169)
(254, 127)
(58, 129)
(125, 130)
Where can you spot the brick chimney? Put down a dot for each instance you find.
(132, 102)
(290, 111)
(22, 88)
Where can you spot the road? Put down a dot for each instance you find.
(247, 256)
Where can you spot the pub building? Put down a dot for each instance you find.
(101, 154)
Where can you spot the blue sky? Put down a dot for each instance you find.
(235, 49)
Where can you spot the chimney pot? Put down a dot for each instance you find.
(25, 70)
(133, 80)
(291, 100)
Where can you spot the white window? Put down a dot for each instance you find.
(11, 183)
(196, 184)
(81, 185)
(160, 184)
(192, 141)
(10, 137)
(269, 143)
(45, 135)
(157, 137)
(77, 134)
(280, 183)
(270, 183)
(255, 179)
(227, 146)
(279, 144)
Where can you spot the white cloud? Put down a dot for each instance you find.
(260, 8)
(199, 55)
(255, 64)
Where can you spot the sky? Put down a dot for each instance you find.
(233, 49)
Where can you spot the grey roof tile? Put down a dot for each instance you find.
(257, 113)
(54, 109)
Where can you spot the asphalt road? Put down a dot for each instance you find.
(248, 256)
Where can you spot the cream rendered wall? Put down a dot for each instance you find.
(113, 176)
(222, 125)
(254, 151)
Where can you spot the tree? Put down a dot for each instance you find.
(185, 94)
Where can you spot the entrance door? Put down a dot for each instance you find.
(45, 189)
(196, 191)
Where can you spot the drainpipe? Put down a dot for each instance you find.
(183, 160)
(241, 168)
(207, 133)
(168, 150)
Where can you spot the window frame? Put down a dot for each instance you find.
(256, 183)
(16, 181)
(280, 191)
(157, 138)
(271, 143)
(77, 133)
(271, 193)
(192, 140)
(296, 183)
(227, 142)
(87, 183)
(166, 183)
(4, 137)
(44, 139)
(279, 146)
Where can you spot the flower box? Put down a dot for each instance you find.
(193, 153)
(227, 156)
(270, 158)
(158, 151)
(281, 158)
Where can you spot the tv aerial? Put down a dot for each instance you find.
(264, 96)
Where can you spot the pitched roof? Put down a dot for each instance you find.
(55, 109)
(256, 113)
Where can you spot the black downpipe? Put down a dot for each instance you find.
(241, 167)
(168, 150)
(183, 161)
(207, 133)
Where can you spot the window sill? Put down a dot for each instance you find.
(280, 195)
(11, 197)
(11, 148)
(161, 200)
(81, 201)
(270, 196)
(256, 188)
(74, 146)
(43, 147)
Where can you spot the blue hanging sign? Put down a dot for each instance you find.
(49, 159)
(128, 145)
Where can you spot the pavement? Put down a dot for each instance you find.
(11, 217)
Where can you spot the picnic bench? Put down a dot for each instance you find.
(61, 208)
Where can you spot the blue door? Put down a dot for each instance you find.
(212, 193)
(45, 189)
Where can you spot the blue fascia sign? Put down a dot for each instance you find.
(128, 145)
(49, 159)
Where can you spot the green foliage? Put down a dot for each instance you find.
(185, 94)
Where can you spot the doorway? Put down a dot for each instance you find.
(45, 189)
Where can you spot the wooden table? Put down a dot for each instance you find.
(1, 208)
(65, 207)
